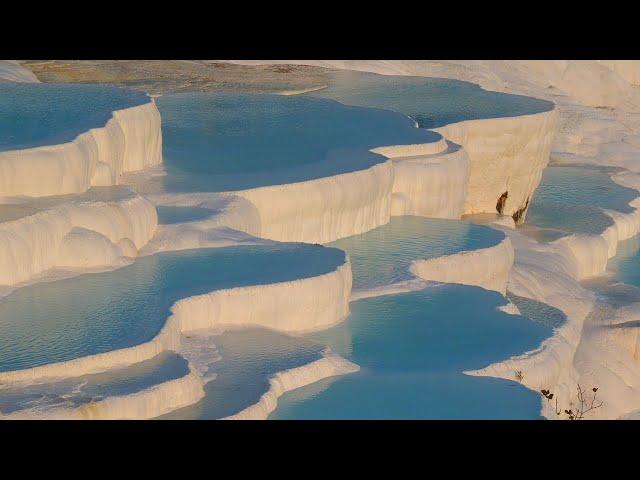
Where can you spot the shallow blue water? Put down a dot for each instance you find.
(413, 348)
(168, 215)
(220, 141)
(249, 358)
(431, 102)
(626, 263)
(90, 388)
(38, 114)
(383, 255)
(93, 313)
(570, 199)
(538, 312)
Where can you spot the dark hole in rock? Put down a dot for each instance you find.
(501, 201)
(518, 214)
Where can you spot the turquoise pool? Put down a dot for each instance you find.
(94, 313)
(223, 141)
(431, 102)
(412, 349)
(570, 199)
(36, 114)
(382, 256)
(249, 358)
(169, 215)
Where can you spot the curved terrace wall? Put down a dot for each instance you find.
(293, 306)
(486, 267)
(131, 140)
(74, 235)
(506, 155)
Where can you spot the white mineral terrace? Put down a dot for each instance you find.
(465, 172)
(131, 140)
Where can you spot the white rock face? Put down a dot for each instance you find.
(84, 234)
(329, 365)
(431, 186)
(486, 267)
(326, 209)
(296, 306)
(131, 140)
(505, 155)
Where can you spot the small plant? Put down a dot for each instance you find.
(584, 406)
(519, 376)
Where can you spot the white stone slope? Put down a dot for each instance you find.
(75, 235)
(431, 186)
(485, 267)
(12, 71)
(330, 365)
(131, 140)
(506, 155)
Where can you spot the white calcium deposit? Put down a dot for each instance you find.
(300, 305)
(325, 209)
(506, 155)
(423, 180)
(486, 267)
(330, 365)
(74, 235)
(431, 185)
(233, 221)
(131, 140)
